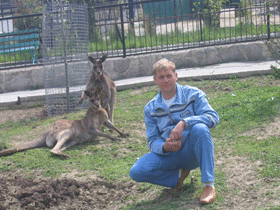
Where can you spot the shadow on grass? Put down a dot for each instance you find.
(169, 199)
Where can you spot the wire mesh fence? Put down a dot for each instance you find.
(65, 52)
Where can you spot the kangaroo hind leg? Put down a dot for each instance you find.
(37, 143)
(63, 137)
(112, 104)
(69, 144)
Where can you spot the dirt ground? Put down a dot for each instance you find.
(18, 192)
(64, 193)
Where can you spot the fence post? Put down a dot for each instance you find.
(175, 14)
(200, 25)
(131, 13)
(268, 20)
(122, 28)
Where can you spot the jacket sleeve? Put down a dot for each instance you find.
(204, 113)
(155, 142)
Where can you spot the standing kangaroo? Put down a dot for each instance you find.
(100, 79)
(66, 133)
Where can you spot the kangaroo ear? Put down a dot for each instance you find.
(103, 58)
(91, 59)
(88, 94)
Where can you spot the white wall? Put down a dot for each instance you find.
(6, 26)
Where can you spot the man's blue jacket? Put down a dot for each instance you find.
(190, 105)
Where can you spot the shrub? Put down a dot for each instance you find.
(27, 7)
(275, 71)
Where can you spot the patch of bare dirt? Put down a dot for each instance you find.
(15, 115)
(246, 189)
(18, 192)
(272, 129)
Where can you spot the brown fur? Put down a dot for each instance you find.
(100, 79)
(66, 133)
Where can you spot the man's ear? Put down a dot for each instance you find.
(176, 76)
(154, 77)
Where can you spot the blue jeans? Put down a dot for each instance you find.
(198, 151)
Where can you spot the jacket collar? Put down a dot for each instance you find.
(179, 98)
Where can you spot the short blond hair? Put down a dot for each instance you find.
(163, 64)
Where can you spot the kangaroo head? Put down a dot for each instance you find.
(93, 98)
(97, 69)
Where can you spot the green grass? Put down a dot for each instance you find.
(243, 105)
(12, 57)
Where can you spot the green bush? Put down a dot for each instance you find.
(275, 71)
(27, 7)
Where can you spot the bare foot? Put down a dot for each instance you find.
(184, 175)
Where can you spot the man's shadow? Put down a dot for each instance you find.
(168, 198)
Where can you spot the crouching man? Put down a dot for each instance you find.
(177, 122)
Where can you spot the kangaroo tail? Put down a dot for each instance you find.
(37, 143)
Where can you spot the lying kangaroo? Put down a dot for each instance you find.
(100, 79)
(66, 133)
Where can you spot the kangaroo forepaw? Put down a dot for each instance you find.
(124, 135)
(80, 101)
(60, 154)
(115, 139)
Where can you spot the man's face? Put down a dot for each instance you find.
(166, 80)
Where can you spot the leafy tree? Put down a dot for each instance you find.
(211, 10)
(27, 7)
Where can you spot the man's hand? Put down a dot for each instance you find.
(177, 131)
(173, 143)
(172, 146)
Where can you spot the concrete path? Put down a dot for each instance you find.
(219, 71)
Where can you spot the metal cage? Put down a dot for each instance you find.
(65, 52)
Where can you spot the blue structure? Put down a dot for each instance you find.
(168, 10)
